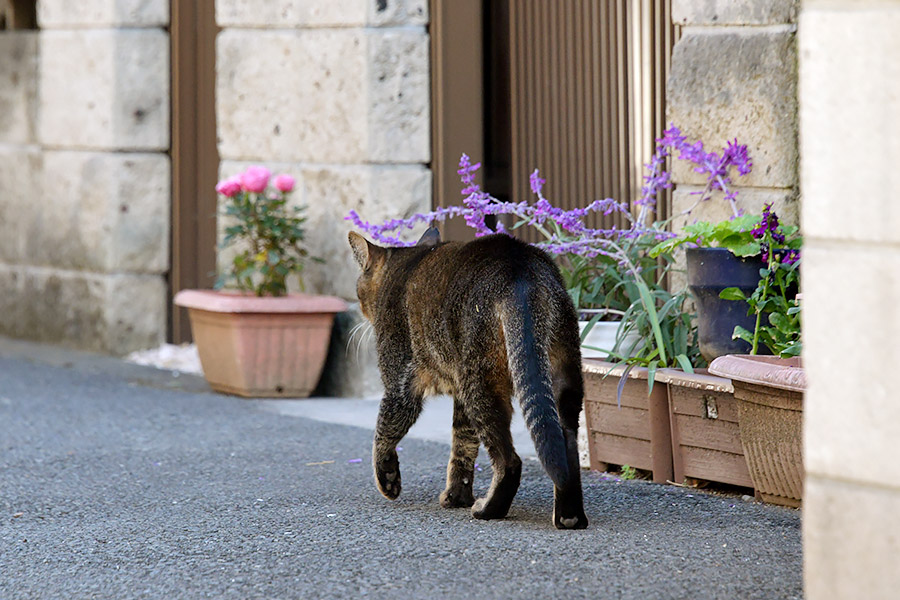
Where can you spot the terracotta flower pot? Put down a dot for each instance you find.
(769, 392)
(261, 346)
(636, 433)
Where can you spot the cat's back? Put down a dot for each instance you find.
(460, 285)
(487, 261)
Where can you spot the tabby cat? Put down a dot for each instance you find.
(481, 321)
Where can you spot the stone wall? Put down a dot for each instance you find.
(337, 95)
(734, 75)
(84, 175)
(850, 139)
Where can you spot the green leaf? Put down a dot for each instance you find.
(781, 322)
(742, 334)
(746, 249)
(793, 350)
(732, 293)
(685, 363)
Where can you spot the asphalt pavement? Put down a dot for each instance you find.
(119, 481)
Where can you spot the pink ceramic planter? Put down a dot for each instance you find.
(261, 346)
(769, 392)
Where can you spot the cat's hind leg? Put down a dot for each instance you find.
(461, 467)
(568, 502)
(494, 415)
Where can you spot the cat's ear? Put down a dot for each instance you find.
(363, 250)
(431, 237)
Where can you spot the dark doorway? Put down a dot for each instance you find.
(575, 88)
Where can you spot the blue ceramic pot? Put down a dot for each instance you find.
(709, 271)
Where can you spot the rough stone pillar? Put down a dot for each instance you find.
(734, 75)
(86, 220)
(337, 95)
(850, 139)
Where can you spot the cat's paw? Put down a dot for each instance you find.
(482, 510)
(457, 496)
(577, 521)
(387, 477)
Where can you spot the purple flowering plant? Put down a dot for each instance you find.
(611, 268)
(774, 301)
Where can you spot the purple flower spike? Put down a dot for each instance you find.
(536, 183)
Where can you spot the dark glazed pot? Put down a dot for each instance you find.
(709, 271)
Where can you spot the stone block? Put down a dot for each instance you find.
(734, 12)
(399, 106)
(397, 12)
(738, 84)
(850, 327)
(106, 212)
(320, 13)
(323, 96)
(18, 86)
(300, 95)
(65, 14)
(20, 198)
(107, 313)
(850, 133)
(851, 538)
(377, 193)
(120, 96)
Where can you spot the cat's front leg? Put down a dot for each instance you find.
(397, 414)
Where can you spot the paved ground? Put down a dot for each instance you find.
(119, 481)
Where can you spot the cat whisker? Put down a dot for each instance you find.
(365, 339)
(357, 329)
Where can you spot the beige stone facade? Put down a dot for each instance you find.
(734, 75)
(337, 95)
(850, 138)
(85, 176)
(334, 93)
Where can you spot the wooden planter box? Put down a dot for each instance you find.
(637, 433)
(769, 392)
(706, 437)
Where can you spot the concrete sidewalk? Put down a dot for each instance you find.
(118, 481)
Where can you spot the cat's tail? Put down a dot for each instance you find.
(529, 367)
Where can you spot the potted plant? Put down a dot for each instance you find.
(769, 389)
(258, 340)
(723, 255)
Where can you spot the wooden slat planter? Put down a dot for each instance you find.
(706, 437)
(637, 433)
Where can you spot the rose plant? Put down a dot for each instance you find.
(268, 232)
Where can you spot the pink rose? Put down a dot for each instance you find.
(229, 187)
(284, 183)
(255, 179)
